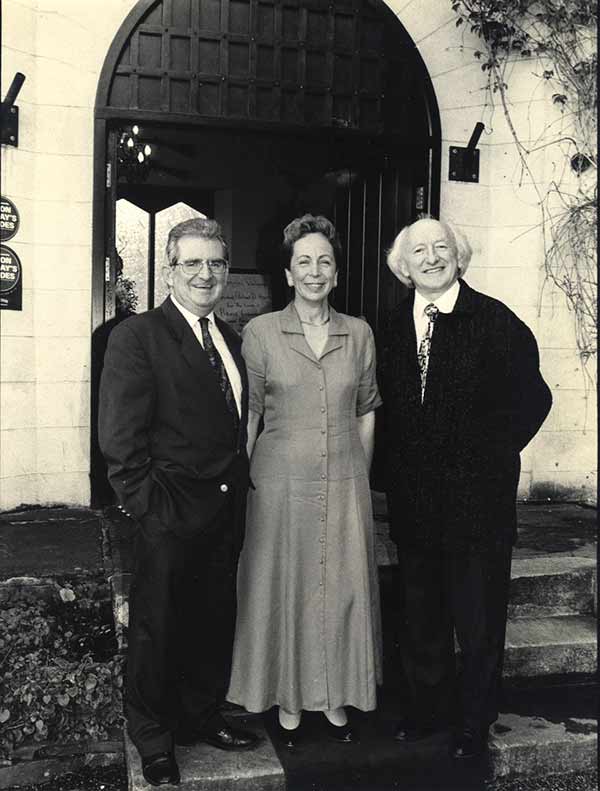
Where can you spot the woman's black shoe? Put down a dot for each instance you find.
(469, 744)
(343, 734)
(288, 737)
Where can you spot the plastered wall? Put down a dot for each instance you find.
(45, 423)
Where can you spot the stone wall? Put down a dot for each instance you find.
(60, 45)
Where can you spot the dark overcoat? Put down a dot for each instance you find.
(164, 428)
(453, 462)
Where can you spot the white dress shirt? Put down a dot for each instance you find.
(445, 304)
(220, 345)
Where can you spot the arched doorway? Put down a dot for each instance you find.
(256, 110)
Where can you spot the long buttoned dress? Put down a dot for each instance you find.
(308, 632)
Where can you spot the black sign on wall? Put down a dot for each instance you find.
(11, 279)
(9, 219)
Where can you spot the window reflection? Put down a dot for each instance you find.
(132, 224)
(165, 220)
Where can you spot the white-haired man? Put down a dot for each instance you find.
(463, 395)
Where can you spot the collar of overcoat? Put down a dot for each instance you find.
(291, 326)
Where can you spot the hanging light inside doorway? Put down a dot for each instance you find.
(133, 155)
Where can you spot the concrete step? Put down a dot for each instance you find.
(552, 585)
(550, 646)
(119, 586)
(534, 747)
(204, 768)
(521, 747)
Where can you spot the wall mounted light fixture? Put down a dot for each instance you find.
(9, 113)
(464, 162)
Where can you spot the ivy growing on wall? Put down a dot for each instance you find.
(559, 39)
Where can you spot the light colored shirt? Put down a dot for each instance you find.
(445, 304)
(220, 345)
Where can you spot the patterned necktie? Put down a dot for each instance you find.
(217, 364)
(431, 311)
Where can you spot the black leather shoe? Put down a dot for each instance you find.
(411, 731)
(228, 738)
(288, 737)
(343, 734)
(160, 769)
(469, 744)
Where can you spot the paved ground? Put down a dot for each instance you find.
(70, 542)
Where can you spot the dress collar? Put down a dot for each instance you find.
(290, 321)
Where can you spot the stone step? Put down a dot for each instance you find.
(552, 585)
(534, 747)
(521, 747)
(550, 646)
(535, 645)
(204, 768)
(119, 586)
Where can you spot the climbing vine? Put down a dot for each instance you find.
(558, 38)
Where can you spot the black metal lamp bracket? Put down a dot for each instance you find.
(9, 113)
(464, 162)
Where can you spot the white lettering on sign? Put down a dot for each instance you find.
(9, 219)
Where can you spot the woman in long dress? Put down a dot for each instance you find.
(308, 632)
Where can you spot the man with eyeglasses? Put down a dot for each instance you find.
(172, 426)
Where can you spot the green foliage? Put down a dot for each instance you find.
(126, 294)
(60, 675)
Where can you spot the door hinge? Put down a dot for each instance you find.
(108, 175)
(107, 269)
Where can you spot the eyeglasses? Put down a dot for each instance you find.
(216, 266)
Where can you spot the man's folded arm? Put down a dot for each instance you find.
(125, 415)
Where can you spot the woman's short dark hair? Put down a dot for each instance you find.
(304, 225)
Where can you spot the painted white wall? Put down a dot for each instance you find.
(45, 423)
(60, 46)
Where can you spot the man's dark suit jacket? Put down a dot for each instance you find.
(164, 427)
(453, 462)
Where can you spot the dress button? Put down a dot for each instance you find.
(323, 453)
(323, 431)
(323, 476)
(322, 409)
(321, 497)
(224, 488)
(321, 387)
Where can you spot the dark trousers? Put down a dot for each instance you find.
(181, 621)
(446, 592)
